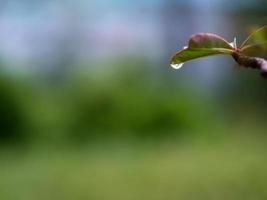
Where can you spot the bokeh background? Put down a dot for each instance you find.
(91, 109)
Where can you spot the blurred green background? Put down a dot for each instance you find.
(91, 109)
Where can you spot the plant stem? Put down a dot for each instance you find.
(251, 62)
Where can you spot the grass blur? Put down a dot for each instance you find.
(230, 169)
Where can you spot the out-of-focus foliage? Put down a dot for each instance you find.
(12, 120)
(129, 102)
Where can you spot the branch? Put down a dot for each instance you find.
(251, 62)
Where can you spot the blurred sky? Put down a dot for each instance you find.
(42, 35)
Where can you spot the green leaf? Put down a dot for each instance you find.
(256, 44)
(202, 45)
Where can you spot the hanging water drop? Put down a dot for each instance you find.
(177, 66)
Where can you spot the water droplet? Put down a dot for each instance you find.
(177, 66)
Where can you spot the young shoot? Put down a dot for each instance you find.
(251, 54)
